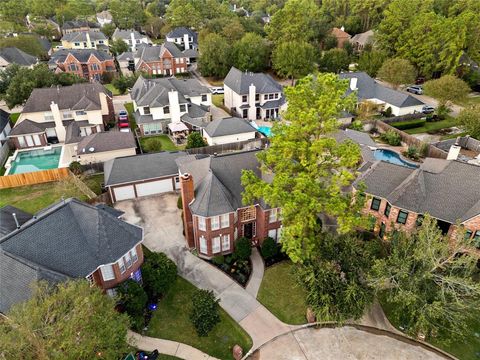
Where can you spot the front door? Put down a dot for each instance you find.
(248, 230)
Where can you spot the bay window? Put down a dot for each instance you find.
(121, 266)
(216, 245)
(202, 224)
(215, 222)
(128, 260)
(225, 220)
(203, 245)
(107, 272)
(134, 255)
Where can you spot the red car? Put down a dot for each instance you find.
(123, 119)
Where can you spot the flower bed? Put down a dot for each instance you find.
(238, 270)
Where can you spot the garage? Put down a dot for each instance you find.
(154, 187)
(124, 192)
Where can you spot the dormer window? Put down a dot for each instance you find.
(183, 108)
(244, 98)
(166, 110)
(146, 110)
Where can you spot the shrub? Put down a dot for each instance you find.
(205, 314)
(243, 249)
(159, 273)
(179, 202)
(195, 140)
(402, 125)
(412, 152)
(356, 125)
(388, 112)
(424, 149)
(269, 248)
(218, 260)
(153, 144)
(133, 299)
(75, 167)
(392, 138)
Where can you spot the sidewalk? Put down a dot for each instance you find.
(256, 277)
(167, 347)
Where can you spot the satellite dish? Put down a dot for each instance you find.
(92, 149)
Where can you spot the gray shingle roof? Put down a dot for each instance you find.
(81, 36)
(30, 127)
(4, 119)
(17, 56)
(77, 24)
(359, 137)
(81, 55)
(179, 32)
(141, 167)
(368, 88)
(217, 180)
(72, 238)
(106, 141)
(239, 82)
(126, 34)
(84, 96)
(447, 190)
(7, 221)
(229, 126)
(150, 54)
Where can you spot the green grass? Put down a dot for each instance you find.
(131, 118)
(453, 136)
(113, 89)
(14, 117)
(465, 350)
(94, 182)
(217, 100)
(434, 126)
(33, 198)
(470, 100)
(167, 144)
(171, 321)
(281, 294)
(168, 357)
(214, 81)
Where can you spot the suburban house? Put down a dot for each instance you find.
(91, 39)
(68, 240)
(186, 39)
(341, 36)
(90, 64)
(368, 89)
(79, 25)
(253, 95)
(13, 55)
(104, 17)
(170, 105)
(213, 212)
(399, 197)
(132, 38)
(5, 129)
(228, 130)
(131, 177)
(359, 41)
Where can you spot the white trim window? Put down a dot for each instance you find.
(48, 116)
(225, 220)
(272, 234)
(121, 265)
(202, 223)
(273, 216)
(216, 245)
(215, 222)
(128, 260)
(203, 245)
(107, 272)
(134, 255)
(226, 242)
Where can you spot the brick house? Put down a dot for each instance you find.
(69, 240)
(166, 59)
(341, 35)
(89, 64)
(213, 213)
(398, 197)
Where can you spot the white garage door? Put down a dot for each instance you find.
(124, 193)
(154, 187)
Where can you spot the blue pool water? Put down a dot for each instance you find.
(392, 157)
(35, 160)
(265, 130)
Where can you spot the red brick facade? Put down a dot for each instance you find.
(91, 70)
(165, 65)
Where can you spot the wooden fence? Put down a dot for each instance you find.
(258, 143)
(30, 178)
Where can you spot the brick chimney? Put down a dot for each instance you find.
(188, 194)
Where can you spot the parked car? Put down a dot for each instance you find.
(427, 109)
(415, 89)
(123, 123)
(123, 114)
(420, 80)
(217, 90)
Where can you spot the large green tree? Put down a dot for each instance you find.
(127, 14)
(215, 56)
(293, 59)
(69, 321)
(397, 72)
(427, 281)
(469, 118)
(446, 90)
(334, 60)
(251, 53)
(195, 140)
(371, 61)
(311, 168)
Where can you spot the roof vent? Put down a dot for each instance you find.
(185, 176)
(16, 220)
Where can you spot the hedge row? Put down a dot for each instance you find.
(403, 125)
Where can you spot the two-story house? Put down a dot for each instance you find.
(253, 95)
(165, 59)
(79, 25)
(68, 240)
(13, 55)
(132, 38)
(89, 64)
(213, 212)
(170, 105)
(187, 40)
(398, 197)
(90, 39)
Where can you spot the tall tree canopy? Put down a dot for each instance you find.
(215, 56)
(127, 14)
(310, 166)
(293, 59)
(70, 321)
(397, 72)
(251, 53)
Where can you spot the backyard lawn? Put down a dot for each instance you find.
(434, 126)
(217, 100)
(14, 117)
(167, 144)
(36, 197)
(281, 294)
(113, 89)
(171, 321)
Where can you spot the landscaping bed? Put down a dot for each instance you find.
(238, 270)
(157, 143)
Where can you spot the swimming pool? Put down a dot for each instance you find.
(392, 157)
(265, 130)
(35, 160)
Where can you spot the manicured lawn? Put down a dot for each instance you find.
(167, 144)
(281, 294)
(470, 100)
(217, 100)
(36, 197)
(14, 117)
(113, 89)
(469, 349)
(434, 126)
(171, 321)
(94, 182)
(129, 108)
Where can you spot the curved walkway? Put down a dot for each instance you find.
(258, 268)
(167, 347)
